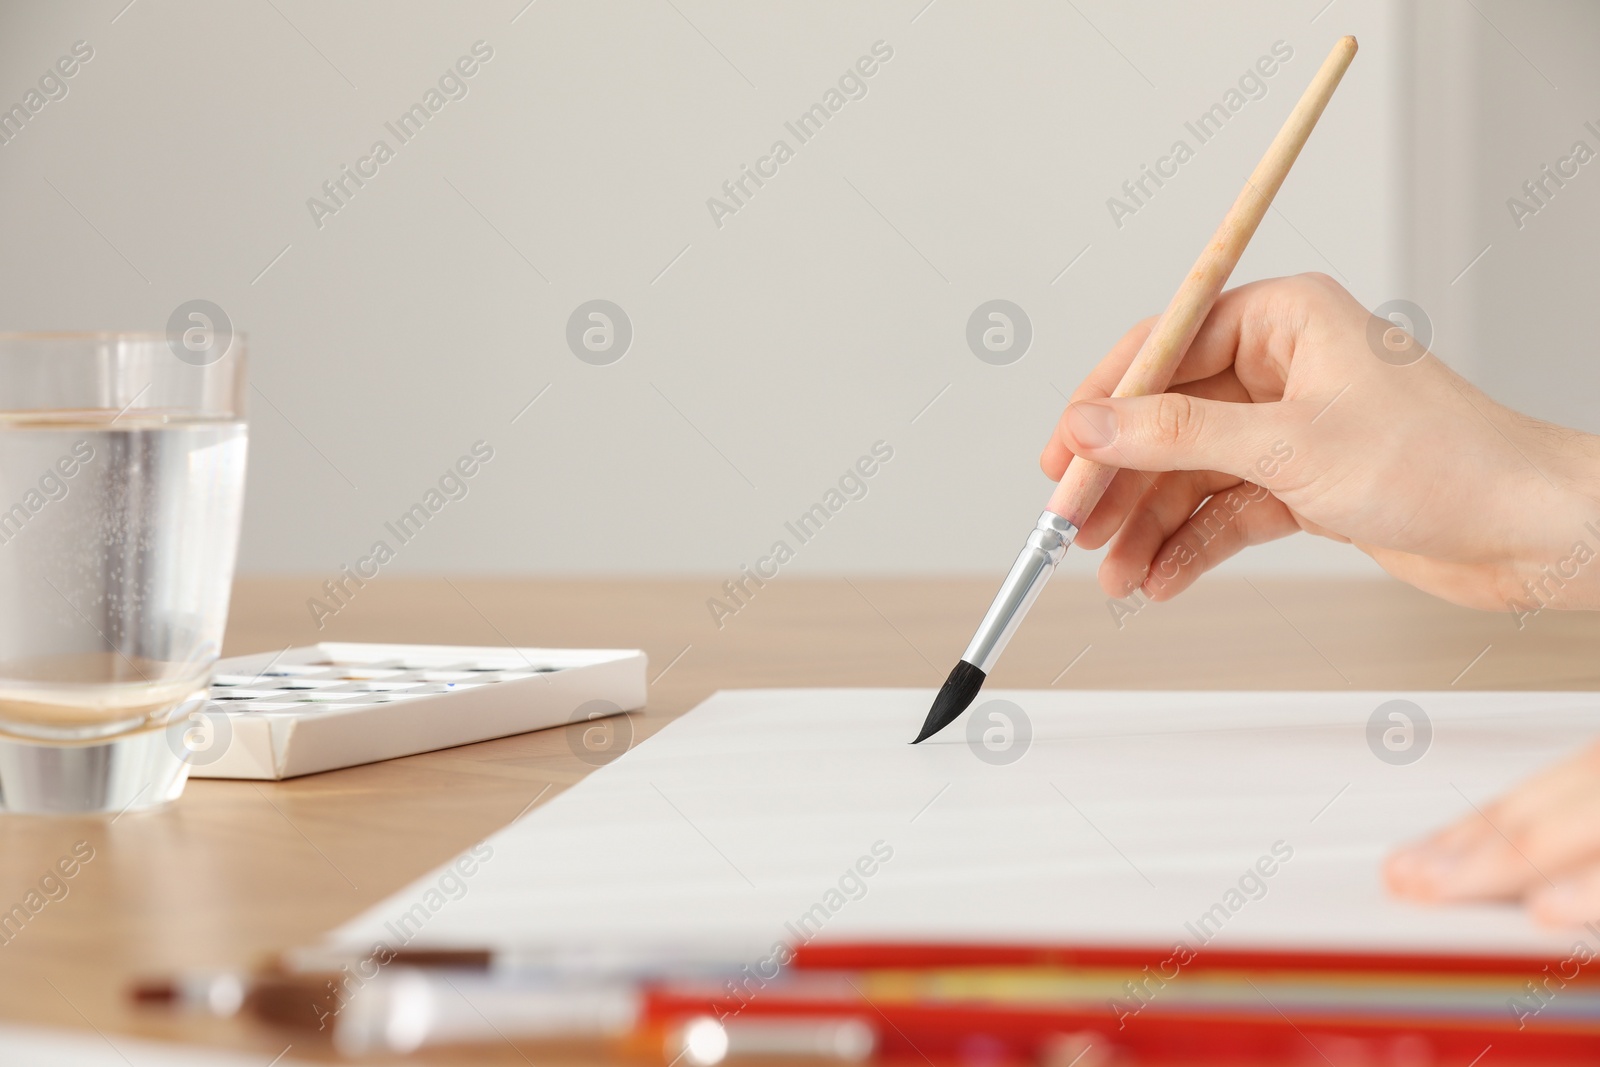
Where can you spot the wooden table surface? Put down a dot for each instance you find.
(236, 870)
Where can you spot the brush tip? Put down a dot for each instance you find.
(956, 695)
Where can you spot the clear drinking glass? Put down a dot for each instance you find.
(122, 460)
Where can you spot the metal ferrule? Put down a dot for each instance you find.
(1046, 545)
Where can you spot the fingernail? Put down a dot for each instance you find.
(1092, 425)
(1565, 904)
(1424, 871)
(1404, 869)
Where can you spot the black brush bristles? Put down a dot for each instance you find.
(960, 690)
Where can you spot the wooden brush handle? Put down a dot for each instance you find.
(1084, 481)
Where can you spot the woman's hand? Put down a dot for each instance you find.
(1283, 417)
(1540, 843)
(1294, 409)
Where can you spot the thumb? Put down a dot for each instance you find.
(1173, 432)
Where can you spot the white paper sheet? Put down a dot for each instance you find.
(26, 1046)
(1129, 817)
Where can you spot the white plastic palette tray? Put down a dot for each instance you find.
(325, 706)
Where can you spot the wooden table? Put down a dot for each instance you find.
(236, 870)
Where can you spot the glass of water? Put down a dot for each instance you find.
(122, 461)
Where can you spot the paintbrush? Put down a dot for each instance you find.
(1085, 481)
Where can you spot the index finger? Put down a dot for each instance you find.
(1213, 349)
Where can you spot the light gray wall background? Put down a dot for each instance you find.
(1497, 92)
(829, 313)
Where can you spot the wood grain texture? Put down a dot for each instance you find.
(237, 870)
(1085, 481)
